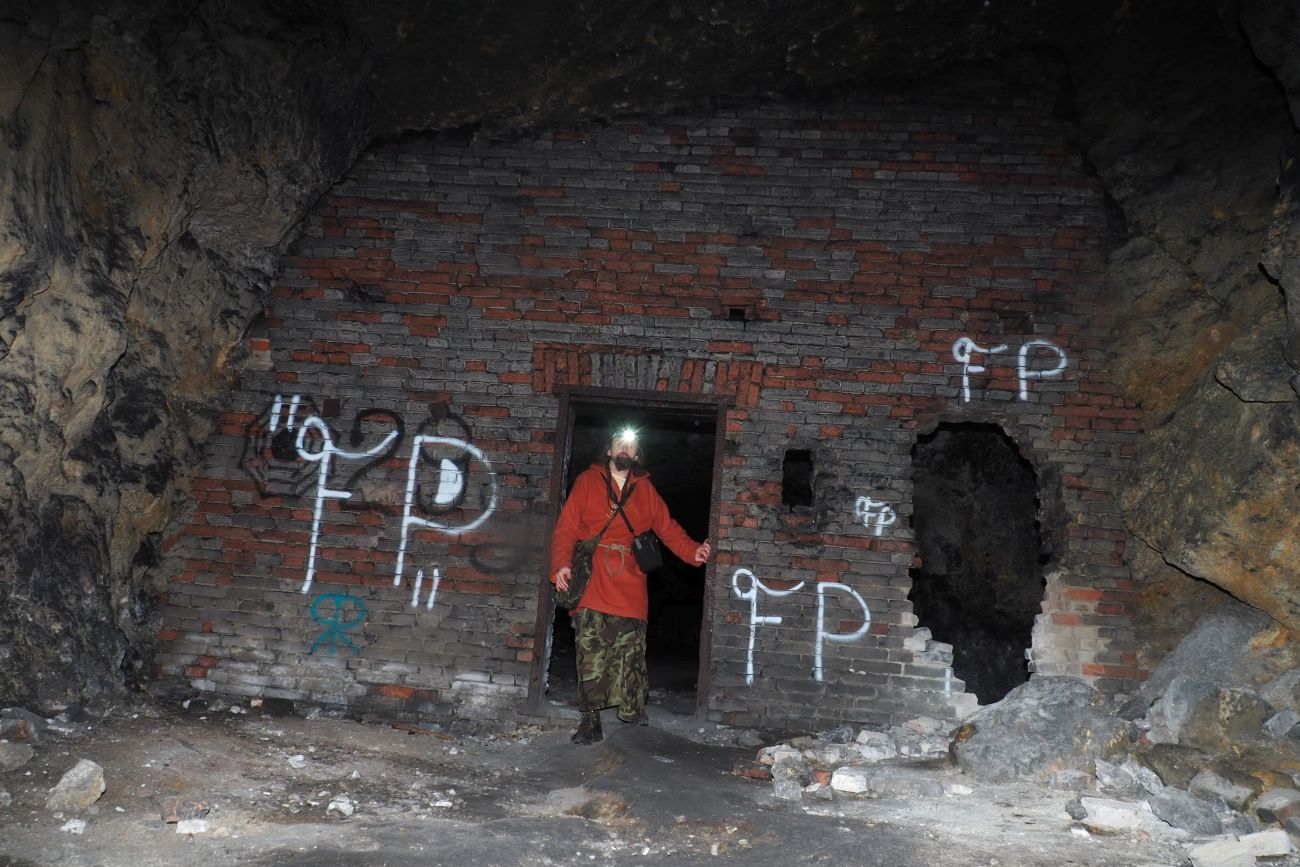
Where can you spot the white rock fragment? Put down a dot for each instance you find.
(297, 761)
(1108, 816)
(342, 805)
(1274, 843)
(192, 826)
(1225, 852)
(74, 826)
(849, 779)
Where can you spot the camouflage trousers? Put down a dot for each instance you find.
(611, 662)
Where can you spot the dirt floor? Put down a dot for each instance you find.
(290, 790)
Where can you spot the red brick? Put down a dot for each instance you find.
(389, 690)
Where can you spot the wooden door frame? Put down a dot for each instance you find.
(570, 397)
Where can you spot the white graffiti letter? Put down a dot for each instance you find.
(433, 588)
(754, 619)
(838, 637)
(865, 509)
(451, 483)
(322, 457)
(1026, 374)
(962, 350)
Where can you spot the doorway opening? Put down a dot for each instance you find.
(680, 442)
(980, 583)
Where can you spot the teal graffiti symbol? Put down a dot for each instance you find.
(348, 613)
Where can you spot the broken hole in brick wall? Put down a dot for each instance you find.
(980, 582)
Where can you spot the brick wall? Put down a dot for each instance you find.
(920, 260)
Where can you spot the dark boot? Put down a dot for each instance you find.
(643, 719)
(589, 731)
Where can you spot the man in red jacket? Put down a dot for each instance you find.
(610, 619)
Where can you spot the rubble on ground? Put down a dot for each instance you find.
(1206, 755)
(80, 787)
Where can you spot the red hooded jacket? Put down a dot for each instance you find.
(618, 586)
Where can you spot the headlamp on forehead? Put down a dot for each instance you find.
(627, 434)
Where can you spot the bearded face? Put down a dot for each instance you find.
(624, 452)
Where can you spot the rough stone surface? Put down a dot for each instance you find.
(14, 756)
(21, 724)
(1283, 692)
(1208, 784)
(876, 746)
(1044, 725)
(1222, 853)
(1186, 811)
(1283, 724)
(1268, 844)
(77, 789)
(1129, 779)
(1228, 720)
(1174, 707)
(1278, 805)
(153, 164)
(1071, 780)
(1219, 650)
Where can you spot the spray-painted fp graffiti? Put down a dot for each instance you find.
(964, 350)
(755, 587)
(441, 471)
(875, 515)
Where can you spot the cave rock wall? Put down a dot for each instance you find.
(152, 162)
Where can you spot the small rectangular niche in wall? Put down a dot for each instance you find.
(797, 478)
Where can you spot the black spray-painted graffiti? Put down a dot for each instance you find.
(285, 442)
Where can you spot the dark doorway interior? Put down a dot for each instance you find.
(980, 583)
(679, 445)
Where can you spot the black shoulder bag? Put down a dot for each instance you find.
(645, 547)
(584, 553)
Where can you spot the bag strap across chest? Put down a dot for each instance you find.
(618, 507)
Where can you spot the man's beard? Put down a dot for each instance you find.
(623, 463)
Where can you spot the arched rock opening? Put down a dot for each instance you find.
(980, 581)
